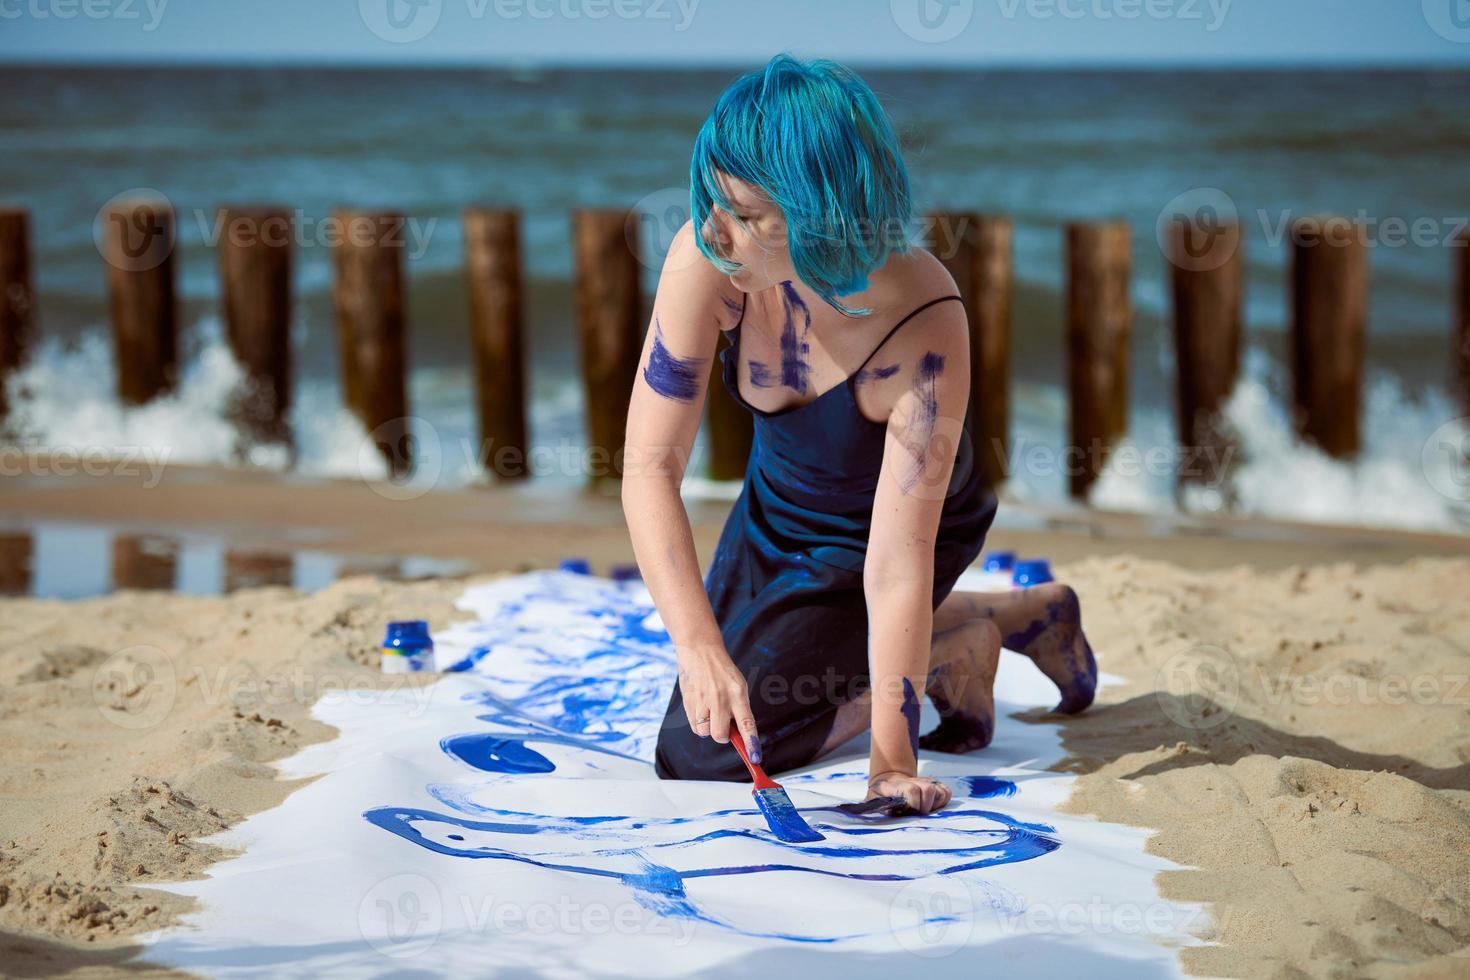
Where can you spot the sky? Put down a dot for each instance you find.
(737, 32)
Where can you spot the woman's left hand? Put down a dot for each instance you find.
(922, 794)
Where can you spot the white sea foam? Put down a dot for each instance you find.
(1412, 472)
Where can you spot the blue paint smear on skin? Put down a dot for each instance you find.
(910, 709)
(610, 846)
(867, 375)
(1083, 687)
(673, 377)
(921, 427)
(737, 310)
(761, 376)
(794, 366)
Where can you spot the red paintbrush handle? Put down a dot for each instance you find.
(762, 781)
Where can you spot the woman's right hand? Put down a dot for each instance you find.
(715, 695)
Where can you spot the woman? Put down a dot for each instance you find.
(827, 607)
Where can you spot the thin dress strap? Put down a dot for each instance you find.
(900, 323)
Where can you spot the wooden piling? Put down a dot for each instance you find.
(143, 562)
(255, 569)
(255, 293)
(369, 299)
(977, 251)
(493, 271)
(609, 324)
(1099, 323)
(1207, 273)
(1330, 311)
(17, 556)
(138, 237)
(17, 303)
(730, 428)
(1462, 332)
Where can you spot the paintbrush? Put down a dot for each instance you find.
(779, 811)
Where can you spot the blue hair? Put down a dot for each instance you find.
(813, 136)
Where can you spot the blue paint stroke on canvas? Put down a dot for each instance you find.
(577, 666)
(656, 858)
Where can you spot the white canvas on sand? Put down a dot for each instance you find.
(506, 820)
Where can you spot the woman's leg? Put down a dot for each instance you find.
(1044, 622)
(962, 664)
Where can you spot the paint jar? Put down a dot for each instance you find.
(1032, 572)
(407, 649)
(626, 575)
(996, 571)
(577, 566)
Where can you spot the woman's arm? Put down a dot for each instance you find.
(923, 434)
(692, 304)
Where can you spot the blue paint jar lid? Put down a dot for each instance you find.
(1032, 572)
(408, 633)
(579, 566)
(1000, 561)
(626, 573)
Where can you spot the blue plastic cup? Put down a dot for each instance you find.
(578, 566)
(407, 647)
(626, 573)
(1000, 561)
(1032, 572)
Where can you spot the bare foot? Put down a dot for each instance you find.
(962, 690)
(1056, 644)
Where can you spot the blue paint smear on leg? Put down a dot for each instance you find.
(794, 366)
(673, 377)
(1080, 688)
(761, 376)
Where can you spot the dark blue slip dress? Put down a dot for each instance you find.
(786, 579)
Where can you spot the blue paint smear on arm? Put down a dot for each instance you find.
(920, 431)
(794, 366)
(673, 377)
(911, 714)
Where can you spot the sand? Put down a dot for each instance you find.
(139, 723)
(1301, 741)
(1295, 724)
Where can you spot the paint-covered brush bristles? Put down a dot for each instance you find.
(780, 813)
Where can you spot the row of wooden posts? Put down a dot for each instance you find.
(1329, 314)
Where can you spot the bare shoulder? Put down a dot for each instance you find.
(690, 282)
(937, 324)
